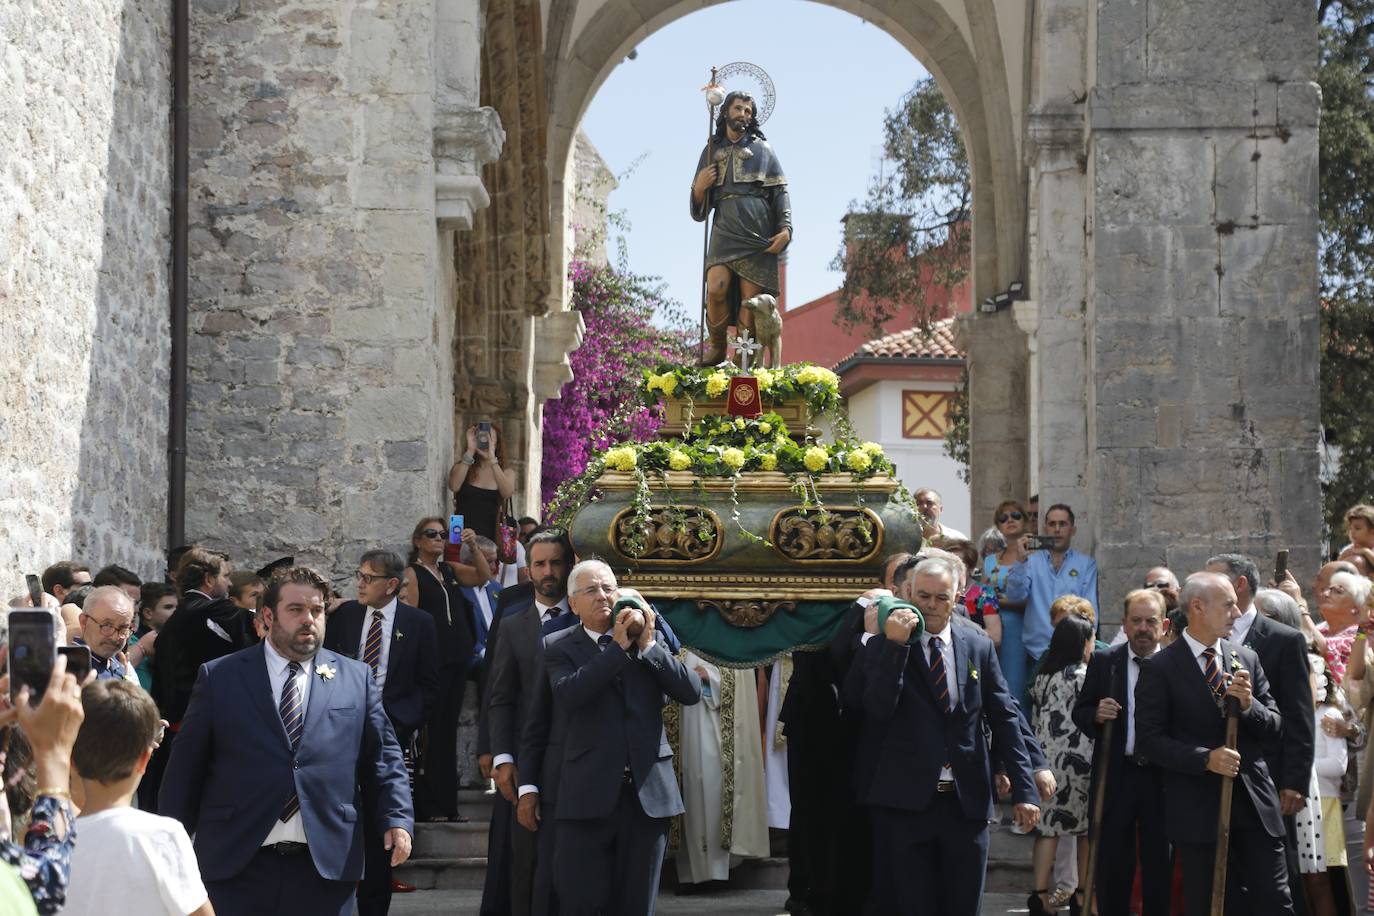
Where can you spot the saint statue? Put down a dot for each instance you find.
(740, 177)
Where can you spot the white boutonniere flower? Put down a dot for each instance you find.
(400, 635)
(973, 674)
(1235, 662)
(326, 672)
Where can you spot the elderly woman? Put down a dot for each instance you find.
(1344, 606)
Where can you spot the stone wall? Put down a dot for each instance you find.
(1203, 317)
(84, 246)
(321, 357)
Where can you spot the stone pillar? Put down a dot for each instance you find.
(998, 428)
(1203, 302)
(322, 367)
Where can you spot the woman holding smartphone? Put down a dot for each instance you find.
(479, 483)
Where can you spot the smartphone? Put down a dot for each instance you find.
(78, 661)
(455, 529)
(35, 589)
(1280, 566)
(483, 435)
(1040, 542)
(32, 653)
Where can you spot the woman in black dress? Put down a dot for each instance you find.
(480, 486)
(432, 585)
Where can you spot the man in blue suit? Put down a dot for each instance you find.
(617, 790)
(398, 643)
(280, 744)
(1181, 726)
(925, 767)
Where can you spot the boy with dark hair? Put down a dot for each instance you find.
(152, 855)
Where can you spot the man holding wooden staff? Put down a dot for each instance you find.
(1131, 810)
(1181, 726)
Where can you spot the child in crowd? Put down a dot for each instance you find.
(151, 855)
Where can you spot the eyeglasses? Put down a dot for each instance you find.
(1159, 585)
(432, 533)
(368, 578)
(597, 590)
(1005, 517)
(110, 629)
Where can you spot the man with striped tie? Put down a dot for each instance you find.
(925, 764)
(398, 643)
(280, 746)
(1180, 725)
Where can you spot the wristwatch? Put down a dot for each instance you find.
(468, 459)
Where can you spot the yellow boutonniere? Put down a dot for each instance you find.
(973, 674)
(1235, 662)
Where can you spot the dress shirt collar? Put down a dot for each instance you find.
(1243, 624)
(544, 609)
(946, 637)
(388, 611)
(276, 662)
(595, 636)
(1198, 648)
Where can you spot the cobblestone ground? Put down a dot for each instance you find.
(724, 903)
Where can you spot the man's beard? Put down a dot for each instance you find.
(739, 125)
(550, 587)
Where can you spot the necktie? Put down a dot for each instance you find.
(293, 720)
(372, 649)
(604, 641)
(1213, 673)
(937, 674)
(554, 611)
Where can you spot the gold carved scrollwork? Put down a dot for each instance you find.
(747, 613)
(849, 534)
(670, 534)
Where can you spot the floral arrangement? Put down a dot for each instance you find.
(816, 385)
(722, 446)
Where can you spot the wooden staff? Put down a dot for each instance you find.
(1228, 784)
(1095, 827)
(706, 223)
(1099, 803)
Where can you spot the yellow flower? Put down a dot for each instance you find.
(768, 462)
(732, 458)
(765, 378)
(739, 423)
(873, 449)
(622, 458)
(716, 383)
(679, 460)
(765, 428)
(858, 460)
(808, 374)
(667, 383)
(815, 459)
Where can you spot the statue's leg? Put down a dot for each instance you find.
(717, 313)
(747, 290)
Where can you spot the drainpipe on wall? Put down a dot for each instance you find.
(177, 394)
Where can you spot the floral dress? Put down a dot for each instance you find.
(44, 861)
(1068, 750)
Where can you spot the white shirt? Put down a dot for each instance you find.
(1243, 624)
(484, 604)
(1132, 677)
(293, 831)
(149, 857)
(388, 625)
(947, 653)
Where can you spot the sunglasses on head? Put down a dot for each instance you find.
(1005, 517)
(433, 533)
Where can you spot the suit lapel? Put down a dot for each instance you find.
(961, 666)
(319, 690)
(1120, 681)
(259, 688)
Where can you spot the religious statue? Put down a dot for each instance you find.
(739, 176)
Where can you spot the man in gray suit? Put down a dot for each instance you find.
(515, 658)
(616, 788)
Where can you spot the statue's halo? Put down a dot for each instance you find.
(753, 73)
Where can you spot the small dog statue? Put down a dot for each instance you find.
(767, 327)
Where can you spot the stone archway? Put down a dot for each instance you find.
(979, 57)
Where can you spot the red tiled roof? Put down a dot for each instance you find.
(913, 343)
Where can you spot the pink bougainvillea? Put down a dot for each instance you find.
(599, 406)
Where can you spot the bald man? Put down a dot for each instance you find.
(1181, 727)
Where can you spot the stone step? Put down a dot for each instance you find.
(453, 856)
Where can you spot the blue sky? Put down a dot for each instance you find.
(834, 74)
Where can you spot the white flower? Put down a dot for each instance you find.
(326, 672)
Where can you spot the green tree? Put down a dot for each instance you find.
(1346, 76)
(910, 234)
